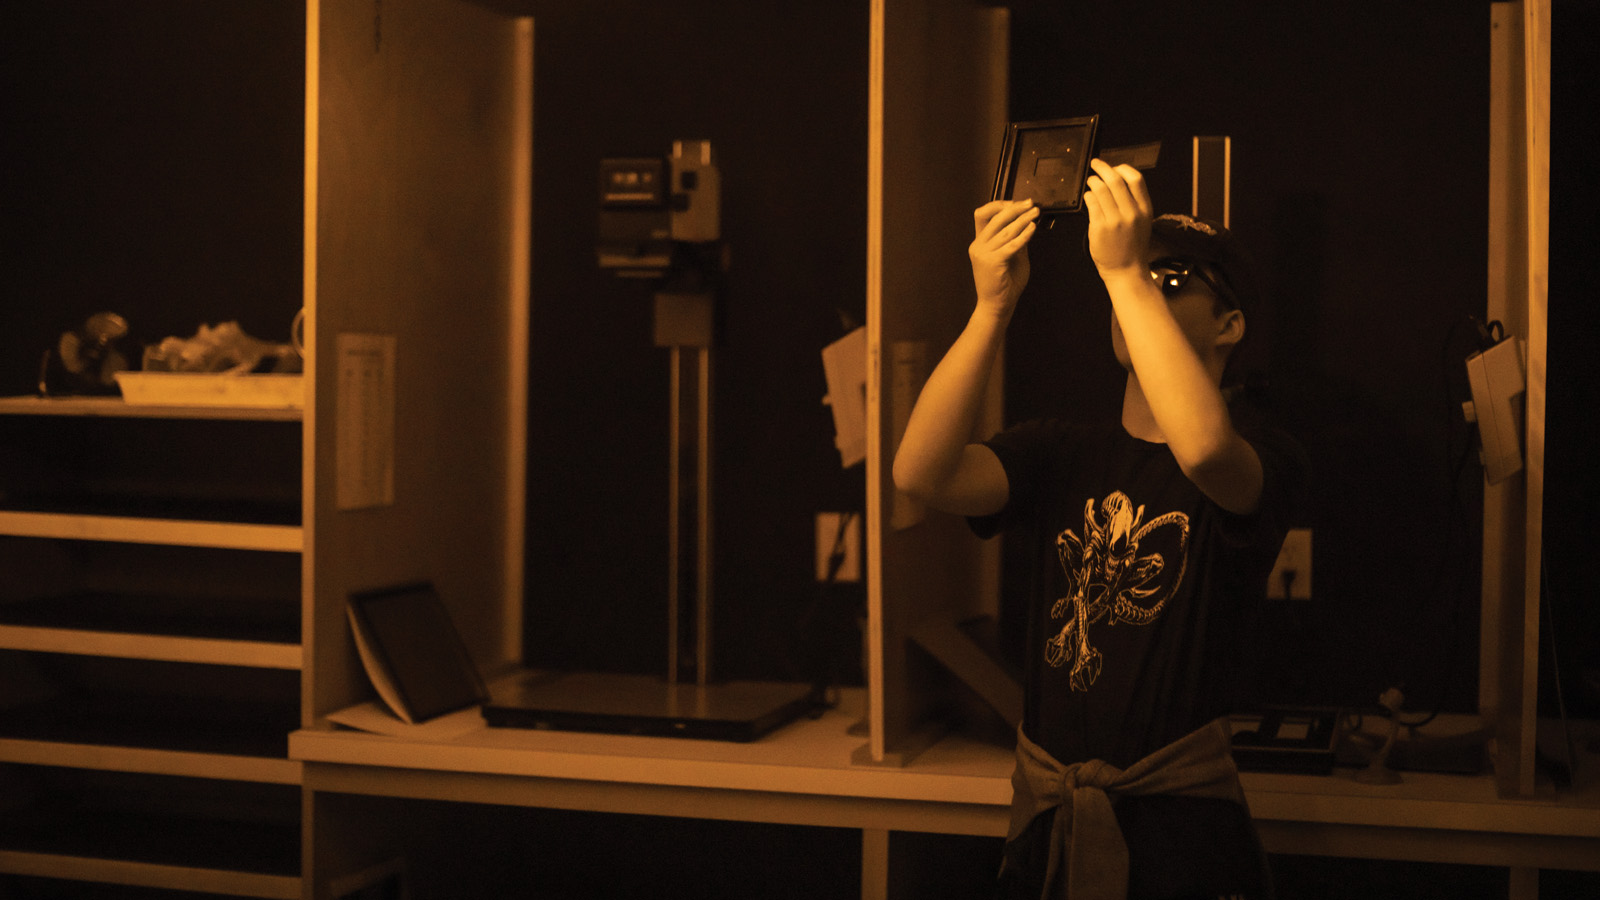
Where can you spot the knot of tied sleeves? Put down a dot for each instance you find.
(1085, 832)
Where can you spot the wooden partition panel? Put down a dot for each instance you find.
(937, 114)
(1519, 216)
(1536, 176)
(418, 162)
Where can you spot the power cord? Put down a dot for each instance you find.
(825, 679)
(1452, 553)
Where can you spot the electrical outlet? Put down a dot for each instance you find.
(849, 541)
(1291, 574)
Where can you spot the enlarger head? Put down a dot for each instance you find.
(653, 208)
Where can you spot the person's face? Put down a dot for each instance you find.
(1195, 307)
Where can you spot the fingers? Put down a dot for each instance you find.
(1091, 201)
(1123, 186)
(1018, 230)
(1016, 244)
(982, 215)
(1118, 203)
(992, 220)
(999, 253)
(1004, 230)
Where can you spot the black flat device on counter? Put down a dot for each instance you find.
(617, 703)
(1298, 740)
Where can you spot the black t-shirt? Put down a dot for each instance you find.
(1141, 588)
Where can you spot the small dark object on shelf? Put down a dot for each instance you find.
(85, 360)
(1285, 739)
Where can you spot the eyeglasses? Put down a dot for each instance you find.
(1171, 273)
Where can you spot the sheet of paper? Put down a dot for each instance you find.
(364, 457)
(844, 362)
(374, 718)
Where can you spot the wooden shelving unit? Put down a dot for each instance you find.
(146, 679)
(253, 852)
(214, 631)
(173, 577)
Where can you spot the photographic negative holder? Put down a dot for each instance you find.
(1048, 162)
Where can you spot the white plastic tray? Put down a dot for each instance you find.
(211, 389)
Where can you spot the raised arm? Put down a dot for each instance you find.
(937, 461)
(1176, 367)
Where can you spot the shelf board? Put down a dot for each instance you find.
(82, 642)
(116, 847)
(151, 875)
(187, 764)
(142, 530)
(811, 756)
(116, 407)
(254, 633)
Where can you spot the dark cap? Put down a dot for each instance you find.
(1210, 243)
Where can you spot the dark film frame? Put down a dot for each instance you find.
(1047, 162)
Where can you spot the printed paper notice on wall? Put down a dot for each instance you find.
(364, 456)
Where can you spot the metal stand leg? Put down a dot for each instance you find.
(682, 571)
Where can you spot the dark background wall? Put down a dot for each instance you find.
(1571, 477)
(780, 91)
(131, 185)
(1360, 180)
(1360, 172)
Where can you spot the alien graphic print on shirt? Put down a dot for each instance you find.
(1134, 590)
(1110, 580)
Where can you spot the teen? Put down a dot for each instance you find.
(1154, 539)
